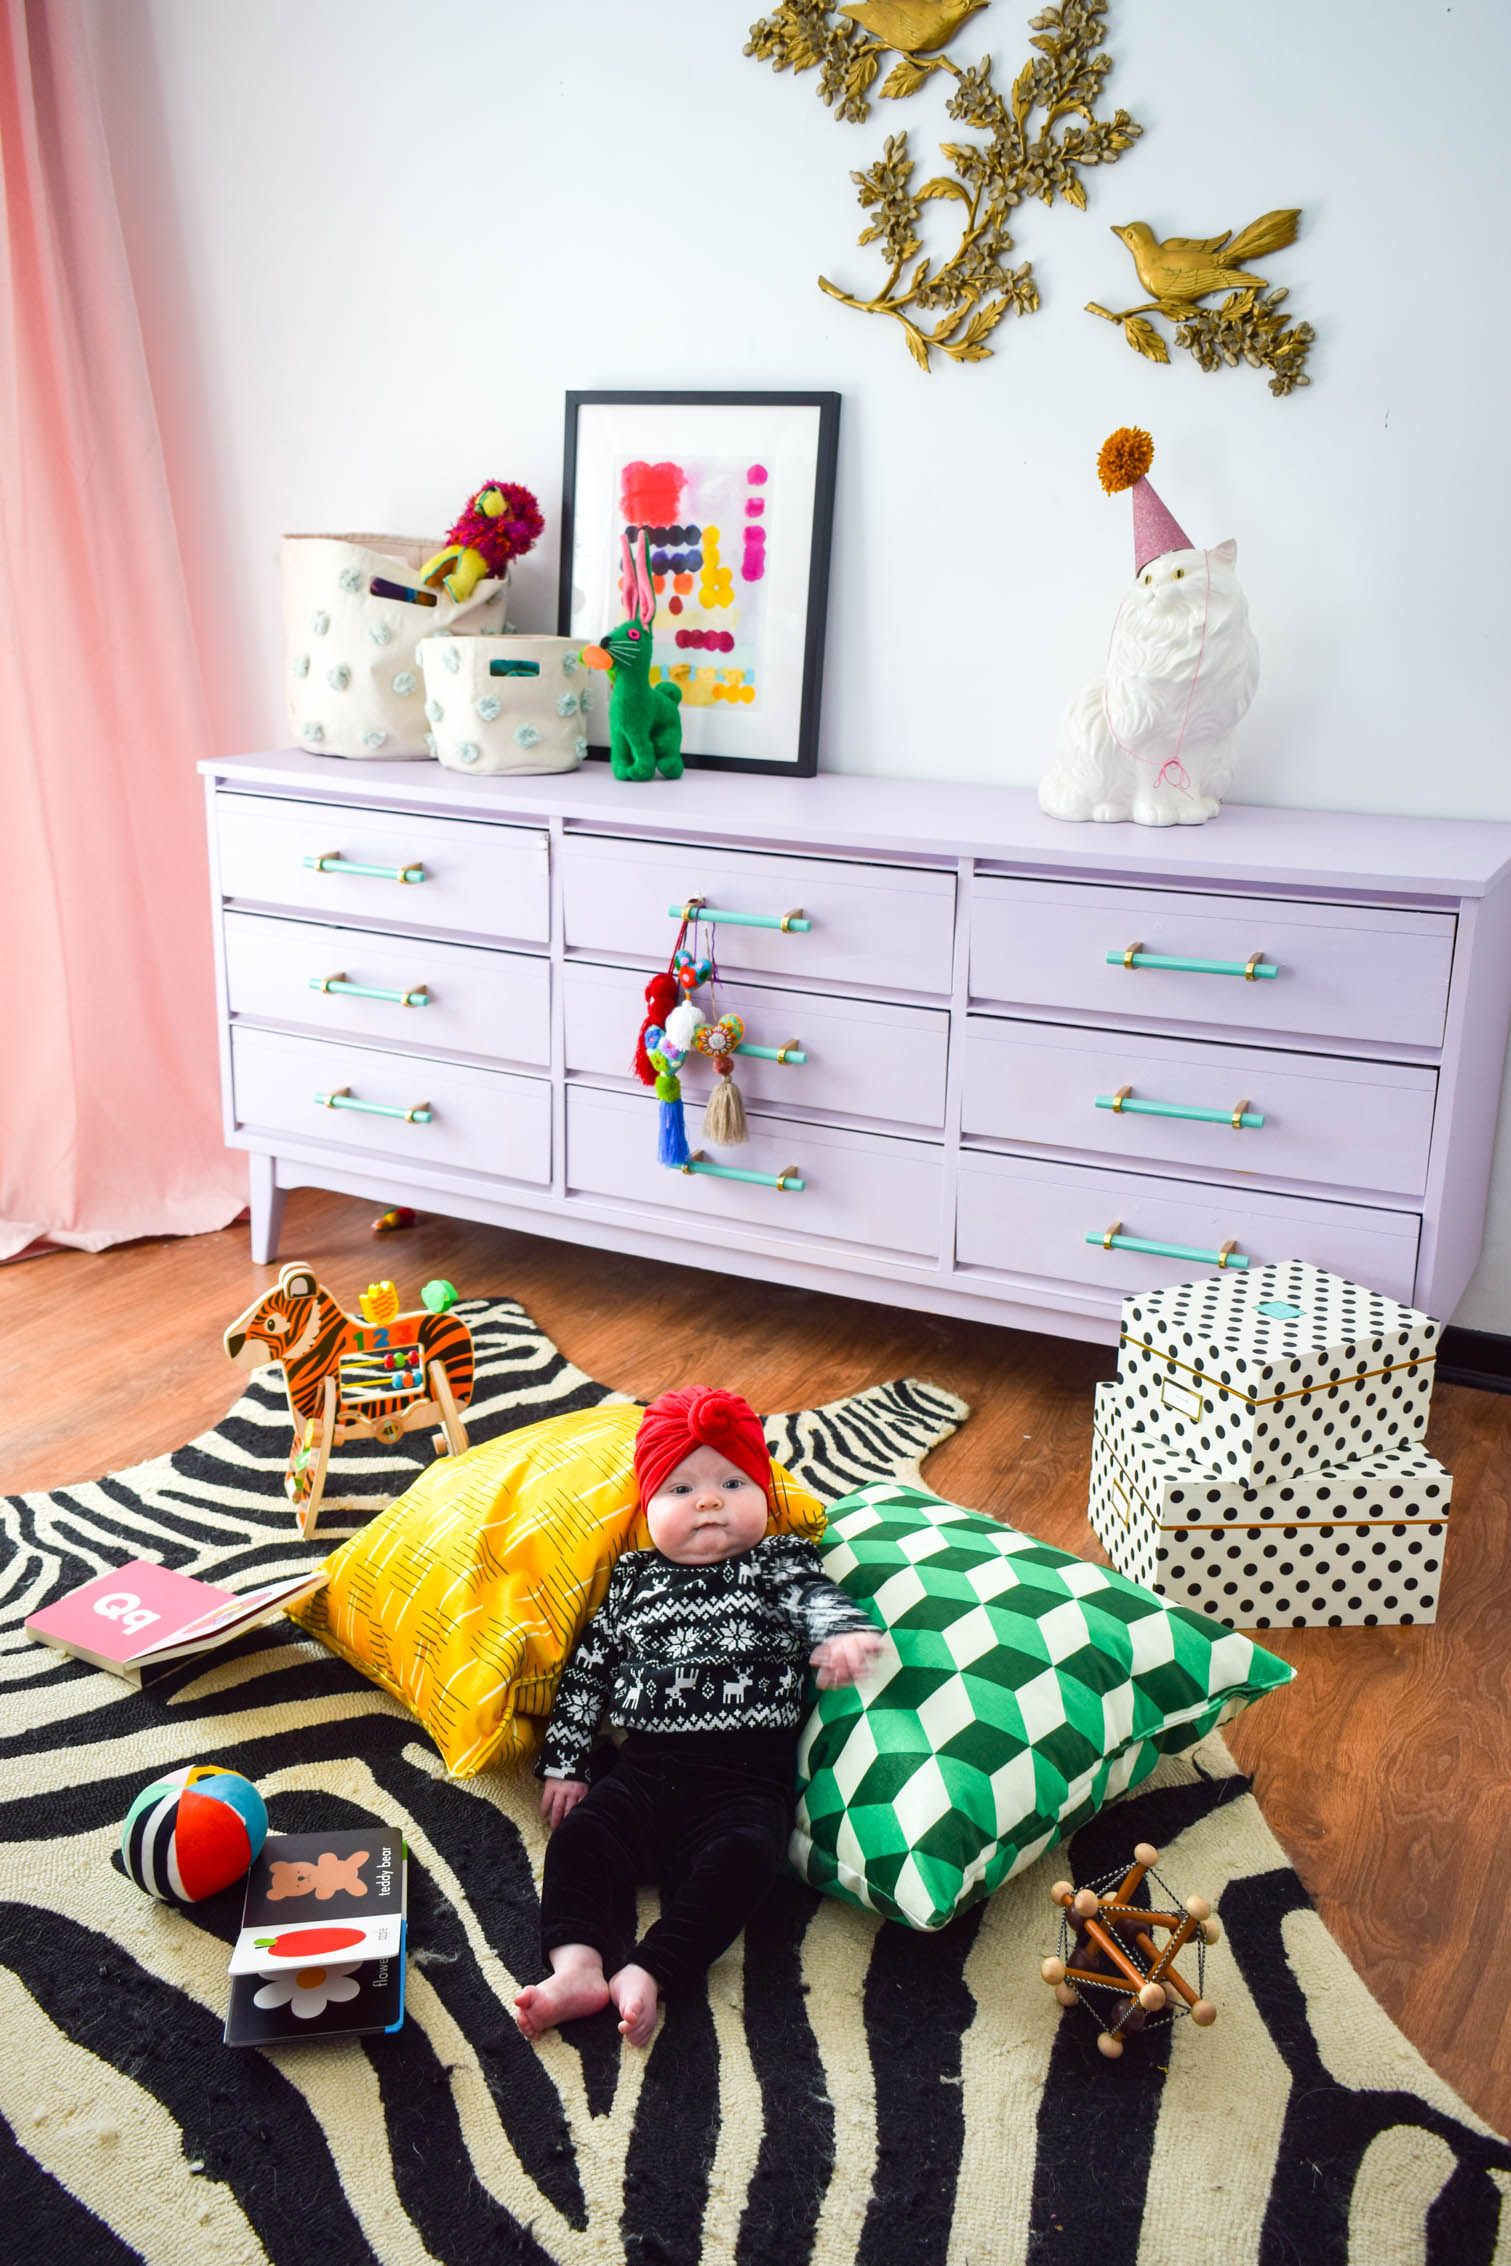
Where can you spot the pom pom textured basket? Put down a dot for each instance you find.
(353, 613)
(501, 704)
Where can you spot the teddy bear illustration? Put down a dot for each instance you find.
(328, 1876)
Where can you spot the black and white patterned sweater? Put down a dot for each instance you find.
(697, 1648)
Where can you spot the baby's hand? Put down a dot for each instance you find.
(560, 1798)
(839, 1660)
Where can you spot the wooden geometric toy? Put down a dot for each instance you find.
(1110, 1961)
(370, 1377)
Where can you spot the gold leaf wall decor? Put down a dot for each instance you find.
(1180, 272)
(1037, 140)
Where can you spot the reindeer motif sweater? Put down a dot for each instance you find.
(697, 1648)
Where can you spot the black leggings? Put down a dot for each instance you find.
(705, 1817)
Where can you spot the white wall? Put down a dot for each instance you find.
(377, 240)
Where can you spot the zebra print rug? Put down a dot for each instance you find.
(843, 2093)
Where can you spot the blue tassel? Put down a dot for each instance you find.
(671, 1135)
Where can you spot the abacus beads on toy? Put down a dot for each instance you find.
(193, 1832)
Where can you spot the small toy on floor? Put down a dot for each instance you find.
(1108, 1948)
(392, 1221)
(373, 1378)
(192, 1833)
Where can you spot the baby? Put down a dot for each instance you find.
(698, 1655)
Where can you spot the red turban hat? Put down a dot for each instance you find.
(695, 1417)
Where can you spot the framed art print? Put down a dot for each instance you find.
(735, 494)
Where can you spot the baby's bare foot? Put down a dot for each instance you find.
(635, 1994)
(576, 1986)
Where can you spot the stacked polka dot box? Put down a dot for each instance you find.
(1259, 1457)
(509, 703)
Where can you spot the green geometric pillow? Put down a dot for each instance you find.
(1027, 1687)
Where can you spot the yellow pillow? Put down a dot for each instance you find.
(465, 1597)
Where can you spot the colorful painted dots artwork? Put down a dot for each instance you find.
(710, 615)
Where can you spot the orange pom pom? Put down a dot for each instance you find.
(1126, 456)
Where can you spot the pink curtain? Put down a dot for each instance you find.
(109, 1108)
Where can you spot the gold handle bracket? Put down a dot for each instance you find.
(1115, 1229)
(1250, 965)
(1124, 1093)
(1226, 1250)
(1128, 957)
(1240, 1111)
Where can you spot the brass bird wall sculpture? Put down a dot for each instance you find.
(912, 27)
(1178, 272)
(1034, 141)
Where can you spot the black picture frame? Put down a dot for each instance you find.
(803, 763)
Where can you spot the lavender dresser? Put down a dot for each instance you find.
(1008, 1068)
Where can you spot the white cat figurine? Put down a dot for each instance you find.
(1151, 736)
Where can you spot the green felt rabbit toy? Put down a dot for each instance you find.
(645, 730)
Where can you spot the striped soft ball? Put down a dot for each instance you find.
(193, 1832)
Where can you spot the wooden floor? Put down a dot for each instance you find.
(1384, 1769)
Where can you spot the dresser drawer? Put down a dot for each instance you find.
(859, 1188)
(480, 880)
(462, 998)
(862, 1059)
(1345, 971)
(482, 1121)
(1350, 1124)
(1022, 1216)
(890, 928)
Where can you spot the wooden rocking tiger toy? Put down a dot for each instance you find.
(370, 1377)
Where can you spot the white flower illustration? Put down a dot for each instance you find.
(309, 1990)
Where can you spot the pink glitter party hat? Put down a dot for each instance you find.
(1126, 456)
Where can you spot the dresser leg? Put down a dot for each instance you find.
(267, 1209)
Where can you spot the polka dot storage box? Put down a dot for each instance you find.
(1277, 1370)
(515, 703)
(354, 610)
(1338, 1545)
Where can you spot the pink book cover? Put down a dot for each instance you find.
(139, 1610)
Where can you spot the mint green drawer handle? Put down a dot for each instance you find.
(333, 862)
(344, 1098)
(418, 997)
(1134, 956)
(695, 909)
(1113, 1239)
(1125, 1103)
(791, 1052)
(789, 1181)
